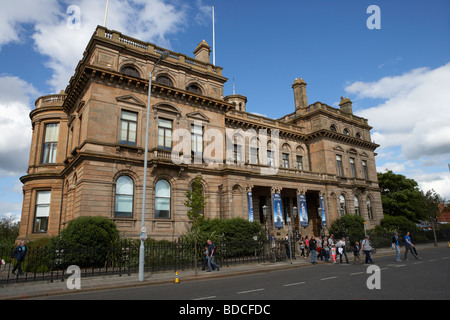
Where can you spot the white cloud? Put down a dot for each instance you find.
(415, 114)
(411, 123)
(15, 124)
(147, 20)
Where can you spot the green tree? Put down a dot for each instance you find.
(196, 202)
(401, 196)
(350, 226)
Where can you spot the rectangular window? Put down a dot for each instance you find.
(42, 211)
(300, 162)
(353, 167)
(270, 158)
(340, 169)
(196, 140)
(128, 128)
(237, 154)
(50, 143)
(165, 134)
(285, 160)
(365, 170)
(254, 155)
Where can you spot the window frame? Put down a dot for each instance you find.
(49, 148)
(124, 214)
(165, 130)
(41, 225)
(158, 211)
(128, 142)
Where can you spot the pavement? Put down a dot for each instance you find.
(35, 289)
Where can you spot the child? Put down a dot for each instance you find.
(356, 250)
(333, 253)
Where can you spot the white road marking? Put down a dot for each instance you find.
(354, 274)
(293, 284)
(249, 291)
(328, 278)
(205, 298)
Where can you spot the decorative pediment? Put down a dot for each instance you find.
(338, 148)
(197, 115)
(166, 108)
(131, 99)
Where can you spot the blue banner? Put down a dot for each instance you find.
(250, 206)
(302, 211)
(322, 206)
(277, 211)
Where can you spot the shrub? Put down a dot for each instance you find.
(350, 226)
(88, 242)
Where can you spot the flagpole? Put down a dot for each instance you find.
(214, 38)
(106, 12)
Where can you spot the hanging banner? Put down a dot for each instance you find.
(277, 211)
(250, 206)
(322, 206)
(302, 211)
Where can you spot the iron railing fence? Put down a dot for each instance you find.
(50, 263)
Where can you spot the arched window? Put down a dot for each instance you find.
(130, 71)
(342, 208)
(164, 80)
(356, 203)
(124, 197)
(346, 132)
(162, 199)
(194, 89)
(369, 208)
(358, 135)
(333, 128)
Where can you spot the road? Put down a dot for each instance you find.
(428, 278)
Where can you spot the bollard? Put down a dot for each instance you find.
(176, 277)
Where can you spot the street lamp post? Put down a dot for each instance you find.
(264, 210)
(143, 234)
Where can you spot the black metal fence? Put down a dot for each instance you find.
(51, 263)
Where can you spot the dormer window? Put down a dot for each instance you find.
(130, 71)
(164, 80)
(194, 89)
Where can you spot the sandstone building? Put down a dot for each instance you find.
(87, 150)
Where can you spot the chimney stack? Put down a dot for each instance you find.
(300, 98)
(346, 105)
(202, 52)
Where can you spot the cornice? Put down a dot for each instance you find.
(90, 73)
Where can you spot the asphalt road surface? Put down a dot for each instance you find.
(428, 278)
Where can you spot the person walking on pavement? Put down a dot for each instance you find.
(396, 246)
(211, 254)
(313, 248)
(409, 247)
(19, 254)
(341, 250)
(367, 248)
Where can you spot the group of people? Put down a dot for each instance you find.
(210, 253)
(328, 249)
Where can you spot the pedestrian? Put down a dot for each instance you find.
(396, 246)
(356, 253)
(410, 247)
(19, 254)
(205, 263)
(307, 247)
(326, 249)
(333, 253)
(367, 248)
(319, 248)
(211, 254)
(302, 247)
(313, 249)
(341, 250)
(287, 247)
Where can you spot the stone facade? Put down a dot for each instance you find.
(87, 152)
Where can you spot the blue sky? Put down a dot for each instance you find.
(397, 76)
